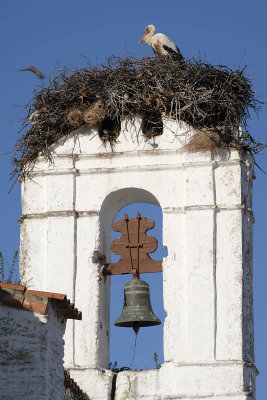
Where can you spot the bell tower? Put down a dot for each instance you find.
(68, 208)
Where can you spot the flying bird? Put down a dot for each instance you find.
(160, 43)
(35, 71)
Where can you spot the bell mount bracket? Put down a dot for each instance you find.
(133, 246)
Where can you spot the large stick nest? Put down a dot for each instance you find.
(209, 98)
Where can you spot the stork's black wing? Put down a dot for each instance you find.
(177, 55)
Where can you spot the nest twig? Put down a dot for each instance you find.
(209, 98)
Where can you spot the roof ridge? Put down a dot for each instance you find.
(31, 300)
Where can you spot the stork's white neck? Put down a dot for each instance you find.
(148, 37)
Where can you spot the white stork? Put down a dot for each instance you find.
(160, 43)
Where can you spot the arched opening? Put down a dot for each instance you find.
(148, 352)
(112, 204)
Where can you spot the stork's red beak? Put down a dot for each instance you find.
(142, 38)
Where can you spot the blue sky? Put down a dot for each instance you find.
(73, 33)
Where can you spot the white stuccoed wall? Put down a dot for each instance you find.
(68, 208)
(32, 350)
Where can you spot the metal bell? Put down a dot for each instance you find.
(137, 311)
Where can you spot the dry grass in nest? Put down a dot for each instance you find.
(206, 97)
(204, 141)
(75, 118)
(95, 113)
(109, 129)
(152, 124)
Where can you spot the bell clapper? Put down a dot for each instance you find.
(136, 329)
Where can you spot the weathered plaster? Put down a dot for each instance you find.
(207, 229)
(32, 350)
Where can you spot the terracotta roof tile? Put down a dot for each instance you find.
(36, 301)
(50, 295)
(12, 287)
